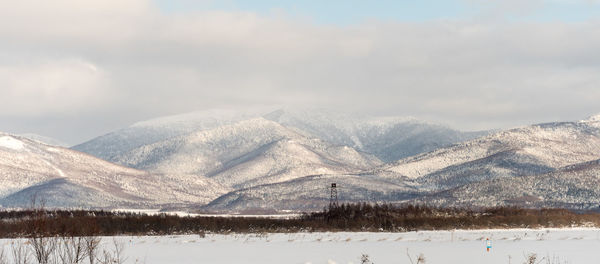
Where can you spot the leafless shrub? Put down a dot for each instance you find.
(420, 258)
(555, 260)
(91, 244)
(20, 252)
(42, 244)
(3, 257)
(532, 258)
(118, 253)
(55, 256)
(64, 250)
(71, 250)
(105, 258)
(43, 247)
(114, 255)
(364, 259)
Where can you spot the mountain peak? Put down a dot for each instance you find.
(205, 119)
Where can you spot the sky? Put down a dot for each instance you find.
(73, 70)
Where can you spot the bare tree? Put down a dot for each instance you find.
(43, 247)
(105, 258)
(71, 249)
(54, 257)
(91, 244)
(3, 257)
(119, 250)
(42, 244)
(114, 255)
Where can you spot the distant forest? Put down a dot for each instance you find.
(346, 217)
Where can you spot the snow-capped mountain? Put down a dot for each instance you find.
(532, 164)
(388, 138)
(575, 186)
(256, 147)
(67, 178)
(247, 153)
(287, 159)
(147, 132)
(530, 150)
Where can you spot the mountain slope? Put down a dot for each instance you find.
(311, 193)
(576, 187)
(388, 138)
(66, 177)
(523, 151)
(247, 153)
(147, 132)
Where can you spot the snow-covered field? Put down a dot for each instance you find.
(288, 215)
(579, 245)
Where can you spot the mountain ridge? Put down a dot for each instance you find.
(237, 154)
(27, 167)
(286, 160)
(388, 138)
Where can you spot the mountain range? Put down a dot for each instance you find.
(530, 150)
(387, 138)
(557, 163)
(248, 153)
(32, 172)
(285, 159)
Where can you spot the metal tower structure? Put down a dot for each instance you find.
(333, 198)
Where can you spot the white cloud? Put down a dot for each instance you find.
(110, 57)
(53, 87)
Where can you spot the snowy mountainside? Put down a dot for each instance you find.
(286, 159)
(44, 139)
(530, 150)
(593, 120)
(575, 186)
(388, 138)
(147, 132)
(248, 153)
(29, 168)
(61, 192)
(312, 193)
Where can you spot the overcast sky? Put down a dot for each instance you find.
(72, 69)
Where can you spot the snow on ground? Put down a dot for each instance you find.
(574, 246)
(11, 143)
(289, 215)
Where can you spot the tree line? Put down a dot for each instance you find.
(345, 217)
